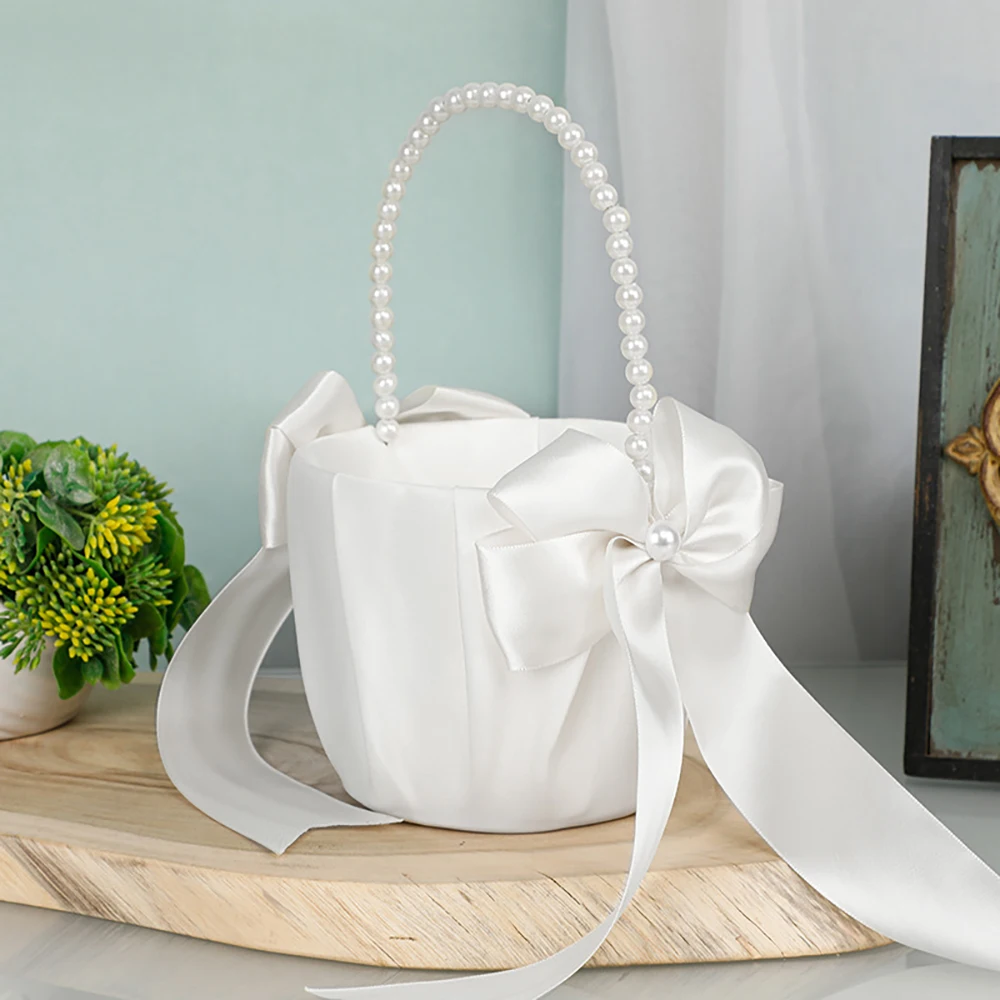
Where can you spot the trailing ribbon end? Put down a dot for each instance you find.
(816, 796)
(202, 727)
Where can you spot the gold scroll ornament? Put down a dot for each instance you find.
(978, 449)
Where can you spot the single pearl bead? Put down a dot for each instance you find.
(639, 372)
(632, 322)
(381, 251)
(635, 347)
(662, 541)
(429, 123)
(540, 107)
(386, 407)
(382, 364)
(382, 319)
(409, 153)
(383, 340)
(387, 431)
(471, 95)
(380, 295)
(380, 273)
(594, 174)
(385, 385)
(571, 135)
(488, 94)
(636, 447)
(418, 137)
(643, 397)
(389, 210)
(401, 171)
(505, 96)
(604, 196)
(618, 244)
(628, 296)
(439, 110)
(523, 97)
(645, 469)
(393, 190)
(454, 101)
(583, 152)
(385, 231)
(556, 120)
(640, 422)
(616, 219)
(624, 270)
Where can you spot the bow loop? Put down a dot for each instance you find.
(324, 405)
(577, 483)
(542, 577)
(714, 489)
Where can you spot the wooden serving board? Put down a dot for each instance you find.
(89, 823)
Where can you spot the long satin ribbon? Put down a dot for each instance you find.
(573, 553)
(832, 812)
(202, 724)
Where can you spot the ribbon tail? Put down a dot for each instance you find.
(634, 599)
(832, 812)
(201, 722)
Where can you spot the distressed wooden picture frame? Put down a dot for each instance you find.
(953, 691)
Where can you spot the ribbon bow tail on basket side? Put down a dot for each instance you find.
(202, 726)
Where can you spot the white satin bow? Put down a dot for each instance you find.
(579, 514)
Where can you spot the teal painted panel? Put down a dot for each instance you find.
(965, 718)
(187, 192)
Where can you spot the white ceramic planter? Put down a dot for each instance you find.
(30, 702)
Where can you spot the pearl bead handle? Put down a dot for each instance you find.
(603, 197)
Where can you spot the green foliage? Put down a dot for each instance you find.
(68, 671)
(68, 475)
(91, 559)
(15, 444)
(60, 521)
(196, 599)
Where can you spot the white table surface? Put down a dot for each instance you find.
(55, 956)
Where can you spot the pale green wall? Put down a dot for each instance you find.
(187, 189)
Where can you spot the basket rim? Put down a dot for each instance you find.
(363, 447)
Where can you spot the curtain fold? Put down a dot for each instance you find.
(774, 157)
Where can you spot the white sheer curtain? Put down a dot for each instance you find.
(774, 156)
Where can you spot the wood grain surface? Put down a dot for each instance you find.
(89, 823)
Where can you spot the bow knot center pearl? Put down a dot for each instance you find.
(662, 541)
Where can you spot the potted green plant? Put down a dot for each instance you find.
(91, 565)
